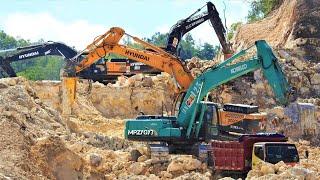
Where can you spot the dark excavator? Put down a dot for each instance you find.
(195, 19)
(104, 71)
(33, 51)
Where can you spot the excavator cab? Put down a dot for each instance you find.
(210, 128)
(229, 120)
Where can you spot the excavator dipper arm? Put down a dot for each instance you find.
(185, 25)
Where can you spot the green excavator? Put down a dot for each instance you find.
(198, 121)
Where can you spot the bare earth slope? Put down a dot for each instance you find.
(295, 25)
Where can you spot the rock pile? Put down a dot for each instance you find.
(25, 122)
(198, 66)
(36, 142)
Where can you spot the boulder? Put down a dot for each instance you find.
(315, 79)
(298, 64)
(267, 168)
(136, 168)
(95, 160)
(142, 158)
(184, 163)
(147, 82)
(135, 154)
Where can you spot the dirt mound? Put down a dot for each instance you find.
(294, 25)
(24, 119)
(38, 143)
(55, 160)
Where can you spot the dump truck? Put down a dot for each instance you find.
(236, 158)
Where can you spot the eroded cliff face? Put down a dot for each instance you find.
(295, 25)
(293, 32)
(125, 99)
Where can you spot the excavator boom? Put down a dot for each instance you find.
(157, 58)
(33, 51)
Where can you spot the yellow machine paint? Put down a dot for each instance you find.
(256, 161)
(69, 85)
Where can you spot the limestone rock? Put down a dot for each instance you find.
(135, 154)
(315, 79)
(298, 64)
(136, 168)
(147, 82)
(267, 169)
(142, 158)
(95, 159)
(183, 163)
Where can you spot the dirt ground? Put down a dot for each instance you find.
(38, 142)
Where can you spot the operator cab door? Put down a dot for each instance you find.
(211, 126)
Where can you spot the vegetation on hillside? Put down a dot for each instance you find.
(259, 9)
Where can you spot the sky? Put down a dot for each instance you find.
(78, 22)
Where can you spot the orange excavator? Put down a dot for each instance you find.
(153, 56)
(164, 59)
(109, 43)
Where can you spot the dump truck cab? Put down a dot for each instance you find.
(274, 152)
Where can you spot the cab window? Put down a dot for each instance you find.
(281, 152)
(259, 152)
(212, 114)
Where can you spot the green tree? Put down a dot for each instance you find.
(41, 68)
(157, 39)
(261, 8)
(187, 47)
(9, 42)
(233, 29)
(206, 51)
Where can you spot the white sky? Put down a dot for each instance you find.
(76, 23)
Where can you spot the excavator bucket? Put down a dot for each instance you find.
(68, 94)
